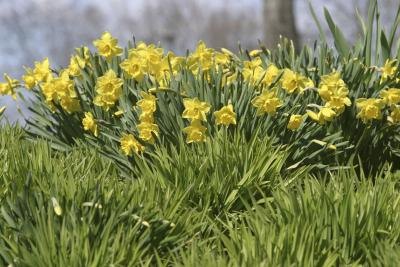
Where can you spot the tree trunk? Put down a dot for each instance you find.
(279, 21)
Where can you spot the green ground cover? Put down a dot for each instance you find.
(222, 204)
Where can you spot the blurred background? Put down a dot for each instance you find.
(33, 29)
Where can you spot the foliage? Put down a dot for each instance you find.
(330, 106)
(70, 209)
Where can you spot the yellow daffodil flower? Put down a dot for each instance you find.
(130, 145)
(225, 115)
(390, 96)
(61, 89)
(394, 117)
(267, 102)
(109, 89)
(147, 59)
(295, 122)
(147, 130)
(195, 109)
(255, 53)
(89, 124)
(42, 71)
(8, 87)
(107, 46)
(147, 103)
(201, 58)
(271, 73)
(195, 132)
(334, 91)
(76, 63)
(324, 115)
(369, 109)
(29, 78)
(293, 82)
(389, 69)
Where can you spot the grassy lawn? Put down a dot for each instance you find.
(217, 204)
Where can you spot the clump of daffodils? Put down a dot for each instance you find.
(109, 89)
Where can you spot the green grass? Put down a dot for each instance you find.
(217, 204)
(255, 195)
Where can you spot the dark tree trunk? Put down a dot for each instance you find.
(279, 21)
